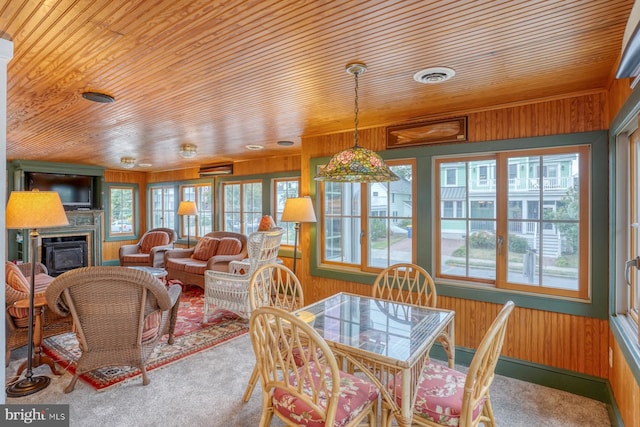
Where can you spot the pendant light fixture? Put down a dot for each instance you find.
(356, 164)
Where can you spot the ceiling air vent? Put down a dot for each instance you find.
(434, 75)
(225, 169)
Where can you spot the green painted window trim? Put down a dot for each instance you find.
(107, 212)
(598, 140)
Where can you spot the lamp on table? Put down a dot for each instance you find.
(188, 208)
(33, 209)
(298, 209)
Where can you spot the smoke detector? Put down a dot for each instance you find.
(434, 75)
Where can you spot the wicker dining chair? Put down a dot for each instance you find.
(301, 382)
(447, 397)
(411, 284)
(120, 314)
(230, 291)
(272, 285)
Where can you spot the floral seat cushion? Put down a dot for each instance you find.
(355, 394)
(440, 393)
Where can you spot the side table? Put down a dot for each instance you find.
(160, 273)
(38, 357)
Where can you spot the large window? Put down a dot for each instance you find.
(241, 206)
(163, 207)
(203, 222)
(517, 220)
(284, 188)
(369, 226)
(122, 210)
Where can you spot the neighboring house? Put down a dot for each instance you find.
(531, 184)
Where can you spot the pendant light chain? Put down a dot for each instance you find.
(356, 110)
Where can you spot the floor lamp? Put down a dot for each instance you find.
(298, 209)
(33, 209)
(188, 209)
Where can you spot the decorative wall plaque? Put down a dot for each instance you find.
(425, 133)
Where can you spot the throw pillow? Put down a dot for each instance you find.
(153, 239)
(229, 246)
(15, 278)
(206, 248)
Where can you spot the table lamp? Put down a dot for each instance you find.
(298, 209)
(188, 208)
(33, 209)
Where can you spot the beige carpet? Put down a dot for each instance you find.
(206, 390)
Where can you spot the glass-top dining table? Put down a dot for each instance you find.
(382, 339)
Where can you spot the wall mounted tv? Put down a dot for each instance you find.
(76, 191)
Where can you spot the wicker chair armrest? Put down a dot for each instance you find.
(174, 293)
(12, 295)
(216, 276)
(224, 258)
(129, 249)
(179, 253)
(25, 269)
(162, 248)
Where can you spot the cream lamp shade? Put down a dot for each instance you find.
(187, 208)
(298, 209)
(35, 209)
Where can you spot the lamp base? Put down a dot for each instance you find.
(27, 386)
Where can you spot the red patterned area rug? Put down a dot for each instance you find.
(191, 336)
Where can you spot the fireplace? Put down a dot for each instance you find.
(62, 254)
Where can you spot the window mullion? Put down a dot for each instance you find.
(502, 224)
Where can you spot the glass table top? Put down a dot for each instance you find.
(388, 330)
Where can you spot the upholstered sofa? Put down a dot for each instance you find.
(149, 251)
(214, 251)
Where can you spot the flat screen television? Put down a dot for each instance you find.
(76, 191)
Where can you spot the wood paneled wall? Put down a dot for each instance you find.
(557, 339)
(625, 387)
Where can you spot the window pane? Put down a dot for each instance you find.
(341, 206)
(390, 214)
(544, 251)
(231, 195)
(242, 206)
(284, 189)
(121, 210)
(204, 199)
(163, 207)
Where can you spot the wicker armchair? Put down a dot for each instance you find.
(119, 313)
(230, 291)
(447, 397)
(273, 285)
(149, 251)
(300, 376)
(17, 284)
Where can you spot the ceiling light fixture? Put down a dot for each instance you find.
(434, 75)
(285, 143)
(127, 162)
(253, 147)
(356, 164)
(188, 151)
(102, 98)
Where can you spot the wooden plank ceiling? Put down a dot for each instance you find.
(226, 74)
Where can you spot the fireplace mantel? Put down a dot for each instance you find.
(81, 223)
